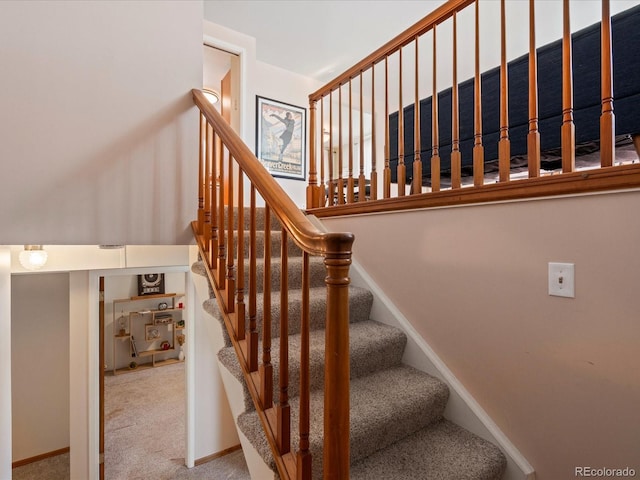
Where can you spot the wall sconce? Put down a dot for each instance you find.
(33, 257)
(212, 95)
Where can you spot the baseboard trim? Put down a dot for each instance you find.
(213, 456)
(42, 456)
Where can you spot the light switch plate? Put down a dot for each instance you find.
(562, 279)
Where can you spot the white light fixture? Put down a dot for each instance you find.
(212, 95)
(33, 257)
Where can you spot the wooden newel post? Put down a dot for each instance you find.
(336, 388)
(313, 197)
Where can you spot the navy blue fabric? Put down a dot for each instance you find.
(587, 108)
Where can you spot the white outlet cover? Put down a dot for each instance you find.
(562, 280)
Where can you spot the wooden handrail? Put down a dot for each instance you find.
(225, 163)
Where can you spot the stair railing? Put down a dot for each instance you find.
(226, 168)
(398, 170)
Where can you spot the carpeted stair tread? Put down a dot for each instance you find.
(360, 301)
(317, 273)
(198, 268)
(385, 407)
(276, 244)
(373, 346)
(441, 451)
(260, 217)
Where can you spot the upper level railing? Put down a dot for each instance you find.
(226, 168)
(387, 135)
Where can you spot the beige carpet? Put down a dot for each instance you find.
(144, 434)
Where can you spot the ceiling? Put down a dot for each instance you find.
(317, 38)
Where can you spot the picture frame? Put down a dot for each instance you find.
(281, 142)
(150, 284)
(151, 332)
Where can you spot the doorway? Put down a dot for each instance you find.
(145, 391)
(221, 74)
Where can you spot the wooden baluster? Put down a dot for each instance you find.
(283, 410)
(323, 185)
(533, 137)
(456, 161)
(231, 268)
(607, 118)
(350, 179)
(478, 148)
(340, 165)
(374, 145)
(435, 135)
(252, 340)
(304, 455)
(240, 306)
(222, 253)
(266, 368)
(214, 149)
(202, 173)
(313, 200)
(402, 171)
(332, 183)
(386, 175)
(568, 127)
(207, 187)
(416, 186)
(361, 180)
(336, 376)
(504, 145)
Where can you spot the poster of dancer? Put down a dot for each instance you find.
(281, 138)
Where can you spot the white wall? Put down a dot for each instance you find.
(5, 363)
(214, 426)
(560, 377)
(99, 129)
(40, 363)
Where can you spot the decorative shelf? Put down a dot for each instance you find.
(140, 317)
(155, 351)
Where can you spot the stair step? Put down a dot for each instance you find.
(276, 244)
(260, 217)
(360, 301)
(317, 273)
(373, 346)
(386, 407)
(440, 451)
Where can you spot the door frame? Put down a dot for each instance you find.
(93, 357)
(241, 53)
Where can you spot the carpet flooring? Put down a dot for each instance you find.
(144, 434)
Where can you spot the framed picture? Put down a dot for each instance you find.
(281, 138)
(151, 332)
(151, 284)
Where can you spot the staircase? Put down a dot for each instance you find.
(397, 428)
